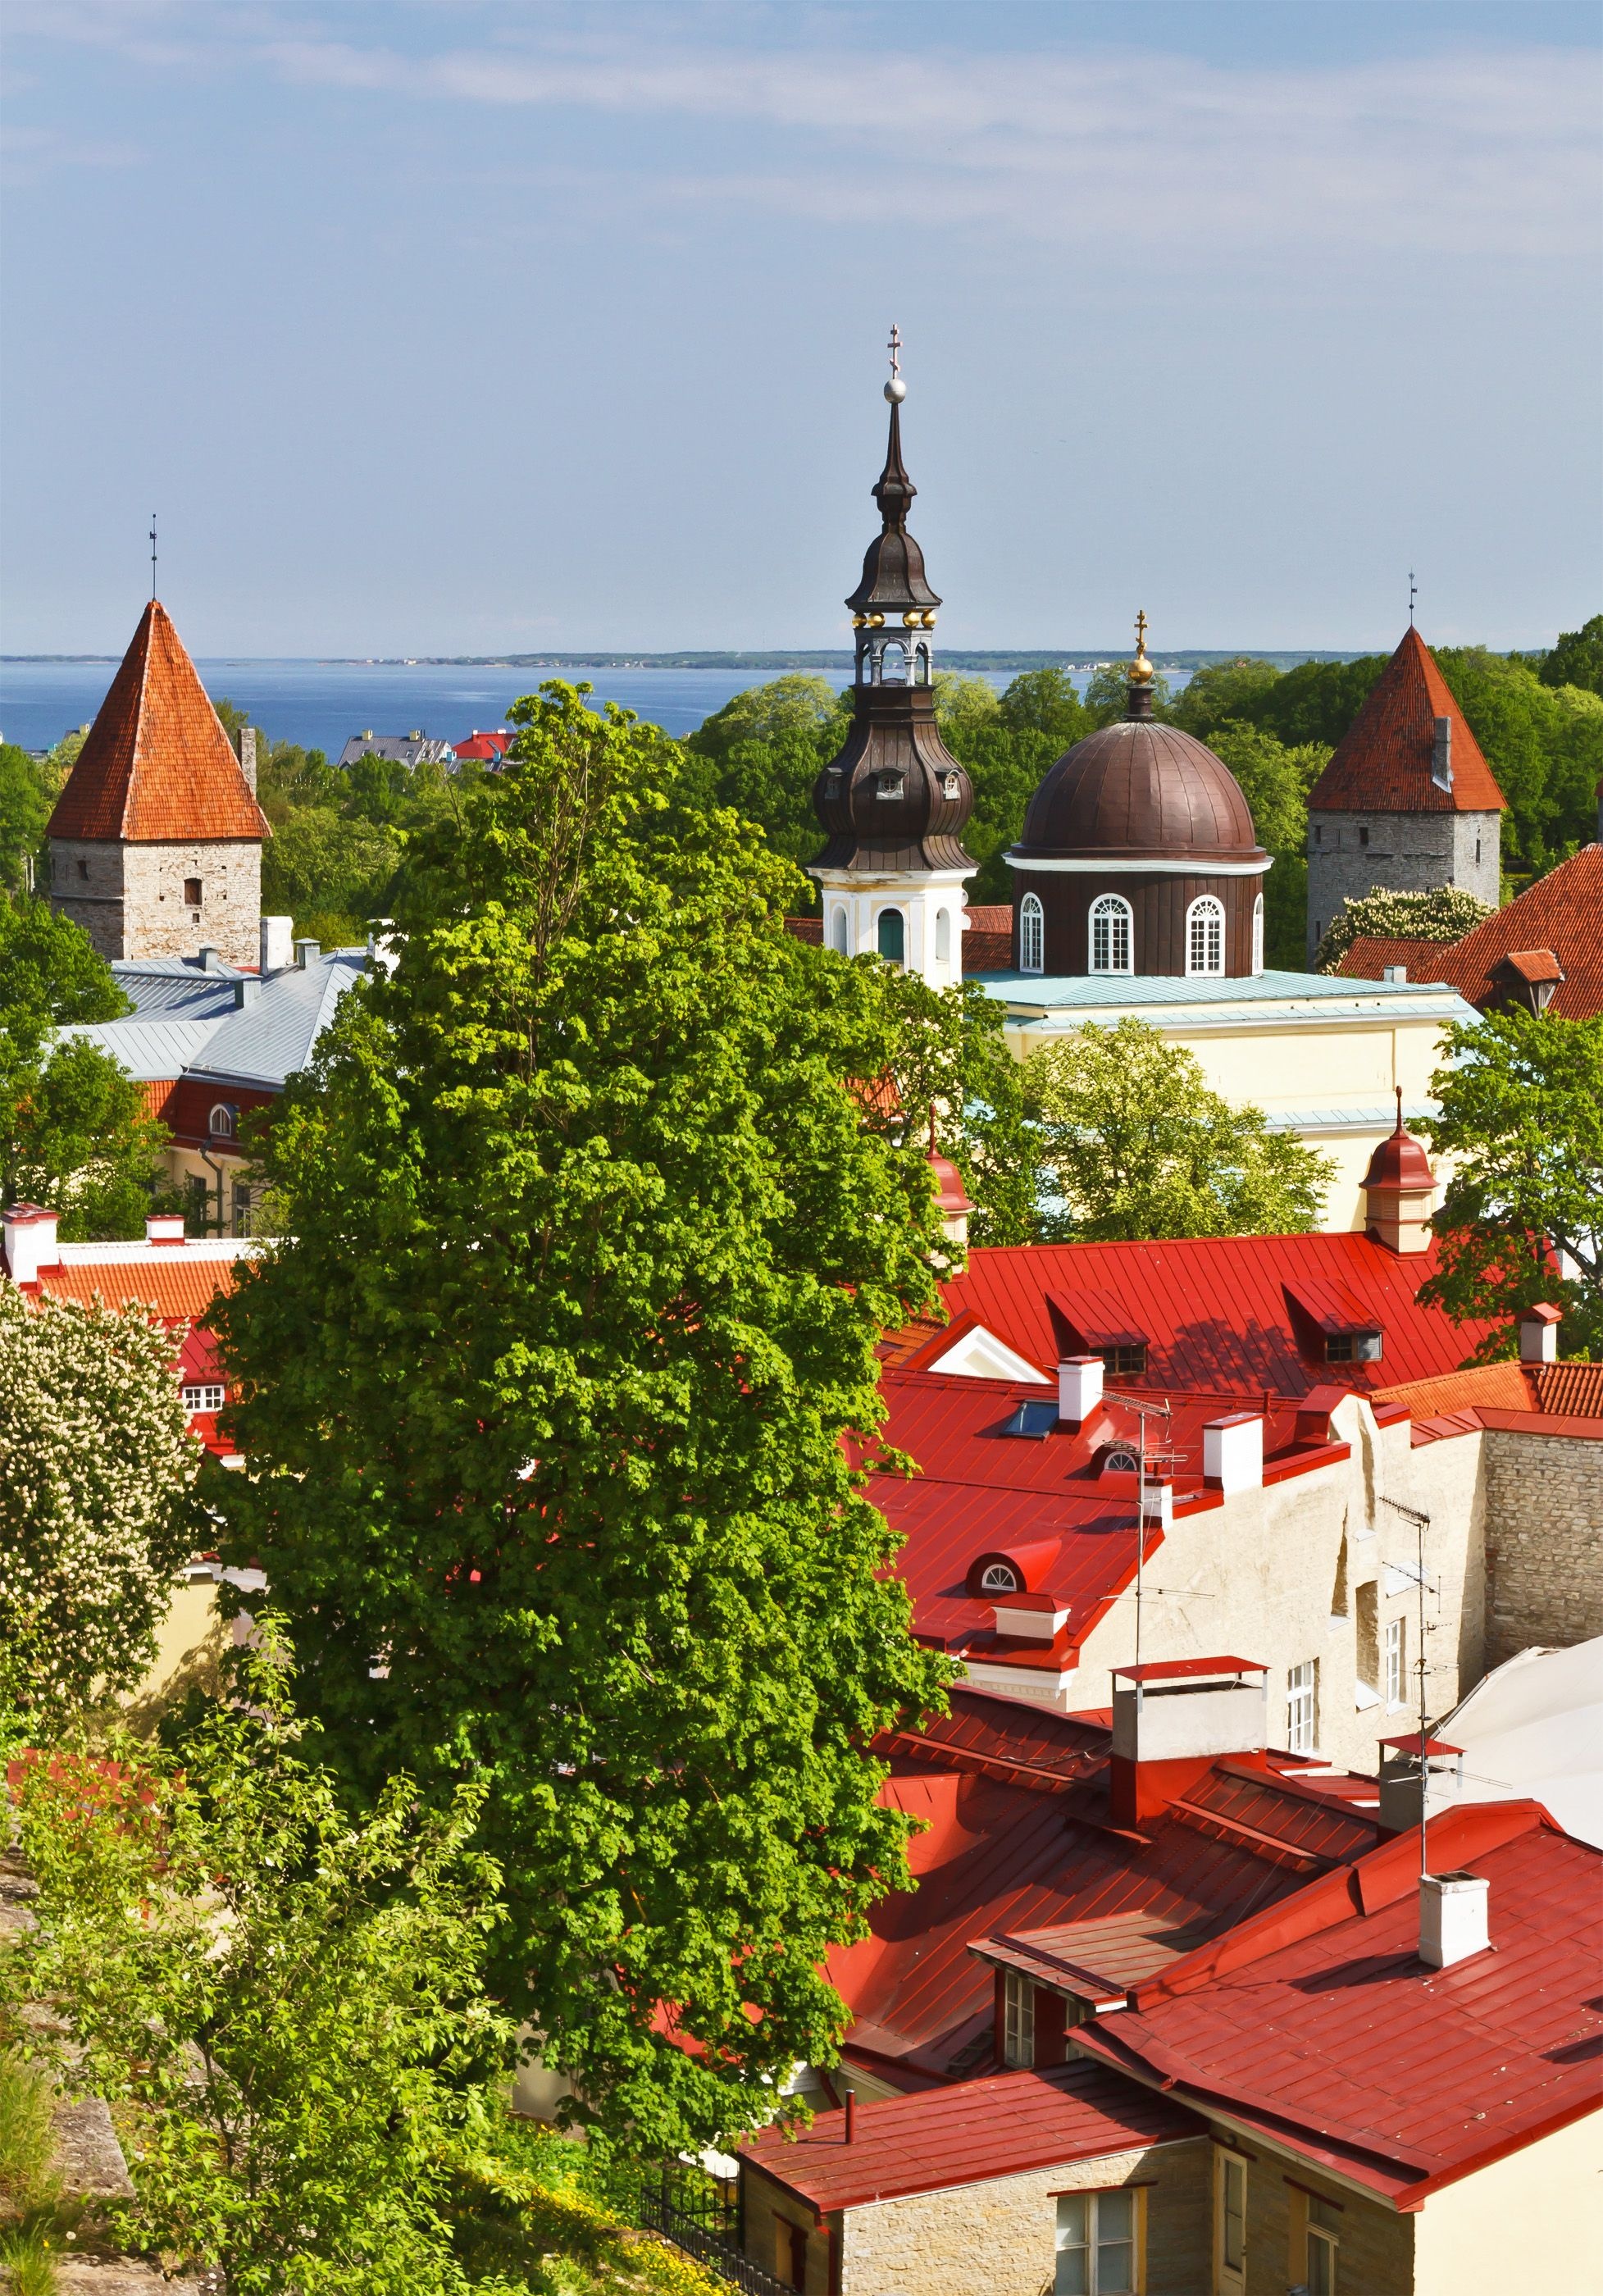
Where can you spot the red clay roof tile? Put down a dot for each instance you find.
(157, 768)
(1382, 764)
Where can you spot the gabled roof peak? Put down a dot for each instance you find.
(157, 768)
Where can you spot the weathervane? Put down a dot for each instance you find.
(1413, 592)
(152, 557)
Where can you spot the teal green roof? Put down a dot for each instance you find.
(1153, 994)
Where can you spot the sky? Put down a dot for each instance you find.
(455, 326)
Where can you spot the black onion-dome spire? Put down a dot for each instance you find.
(896, 798)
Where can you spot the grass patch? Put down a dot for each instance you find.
(29, 2188)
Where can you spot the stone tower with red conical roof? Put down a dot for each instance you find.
(1407, 802)
(156, 841)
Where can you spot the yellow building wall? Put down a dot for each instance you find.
(1527, 2222)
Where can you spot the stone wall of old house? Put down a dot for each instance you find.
(1352, 854)
(159, 921)
(1000, 2237)
(86, 886)
(1376, 2256)
(1545, 1540)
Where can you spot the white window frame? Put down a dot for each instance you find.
(1080, 2240)
(1257, 936)
(207, 1395)
(1031, 934)
(1205, 938)
(220, 1123)
(1301, 1707)
(1115, 915)
(1018, 2019)
(1229, 2279)
(999, 1578)
(1120, 1462)
(1394, 1664)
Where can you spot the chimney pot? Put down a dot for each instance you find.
(1232, 1452)
(851, 2117)
(1079, 1389)
(1539, 1335)
(307, 953)
(275, 944)
(248, 755)
(30, 1241)
(164, 1227)
(211, 960)
(1452, 1918)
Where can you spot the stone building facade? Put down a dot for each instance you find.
(150, 900)
(1352, 854)
(1545, 1540)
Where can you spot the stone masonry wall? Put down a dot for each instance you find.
(1376, 2257)
(86, 887)
(1406, 853)
(1000, 2237)
(159, 922)
(1545, 1541)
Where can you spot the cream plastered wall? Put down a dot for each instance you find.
(1273, 1575)
(1526, 2223)
(1299, 1063)
(998, 2238)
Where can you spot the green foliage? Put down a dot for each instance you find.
(1275, 781)
(608, 1243)
(1046, 701)
(1577, 659)
(1520, 1097)
(964, 705)
(26, 2140)
(1005, 766)
(951, 1057)
(282, 2005)
(1446, 912)
(28, 790)
(49, 974)
(1220, 692)
(96, 1471)
(1134, 1145)
(342, 869)
(553, 2220)
(761, 755)
(1107, 696)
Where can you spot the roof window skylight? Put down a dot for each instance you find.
(1036, 1420)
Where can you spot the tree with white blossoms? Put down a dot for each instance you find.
(97, 1475)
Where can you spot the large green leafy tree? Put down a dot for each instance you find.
(592, 1245)
(1135, 1145)
(1520, 1103)
(74, 1131)
(1577, 659)
(28, 794)
(956, 1078)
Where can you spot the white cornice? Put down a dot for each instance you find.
(1153, 869)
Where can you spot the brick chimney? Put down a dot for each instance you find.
(1173, 1720)
(248, 755)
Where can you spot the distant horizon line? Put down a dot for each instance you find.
(740, 658)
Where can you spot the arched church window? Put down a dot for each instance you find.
(221, 1122)
(1112, 934)
(942, 936)
(893, 664)
(1204, 936)
(999, 1578)
(892, 935)
(840, 936)
(1031, 934)
(921, 674)
(1258, 935)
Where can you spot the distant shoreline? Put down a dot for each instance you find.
(960, 658)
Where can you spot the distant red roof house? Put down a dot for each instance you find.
(1383, 762)
(482, 749)
(157, 768)
(1543, 951)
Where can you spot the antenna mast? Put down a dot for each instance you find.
(1421, 1523)
(153, 558)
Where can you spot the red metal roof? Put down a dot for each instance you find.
(1218, 1311)
(995, 2127)
(1320, 2018)
(1186, 1670)
(483, 747)
(1560, 915)
(157, 768)
(1382, 763)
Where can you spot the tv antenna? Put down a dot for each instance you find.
(1421, 1523)
(153, 558)
(1413, 592)
(1143, 1411)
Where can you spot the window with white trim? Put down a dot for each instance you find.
(1031, 934)
(220, 1123)
(1396, 1663)
(1097, 2245)
(1112, 934)
(1120, 1463)
(1204, 935)
(1018, 2019)
(206, 1397)
(999, 1578)
(1302, 1706)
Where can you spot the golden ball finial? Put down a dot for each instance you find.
(1141, 668)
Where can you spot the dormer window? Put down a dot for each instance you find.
(221, 1122)
(1352, 1347)
(1120, 1462)
(890, 785)
(952, 789)
(1130, 1361)
(999, 1578)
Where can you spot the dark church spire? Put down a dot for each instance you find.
(892, 570)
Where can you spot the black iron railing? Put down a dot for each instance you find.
(701, 2216)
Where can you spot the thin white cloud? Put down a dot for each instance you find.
(28, 154)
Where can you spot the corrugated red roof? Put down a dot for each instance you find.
(995, 2127)
(1322, 2017)
(1383, 762)
(157, 768)
(1218, 1311)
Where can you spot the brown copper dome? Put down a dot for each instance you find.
(1139, 789)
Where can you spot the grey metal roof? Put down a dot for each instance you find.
(1174, 1002)
(173, 987)
(149, 1051)
(400, 749)
(1369, 1116)
(267, 1040)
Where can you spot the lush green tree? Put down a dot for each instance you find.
(1313, 702)
(589, 1241)
(1135, 1145)
(28, 790)
(1005, 765)
(283, 2006)
(342, 871)
(798, 703)
(1520, 1115)
(1577, 659)
(1446, 912)
(761, 755)
(1221, 692)
(1046, 701)
(50, 973)
(1107, 696)
(96, 1469)
(965, 705)
(953, 1073)
(289, 779)
(1275, 780)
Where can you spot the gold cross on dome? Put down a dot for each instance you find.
(1141, 632)
(894, 348)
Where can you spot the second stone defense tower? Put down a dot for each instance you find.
(156, 841)
(1407, 802)
(895, 803)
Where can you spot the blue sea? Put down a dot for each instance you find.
(320, 704)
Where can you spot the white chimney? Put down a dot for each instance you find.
(248, 754)
(277, 944)
(1079, 1388)
(1539, 1335)
(1441, 754)
(1452, 1918)
(1158, 1503)
(307, 953)
(164, 1227)
(30, 1241)
(1232, 1452)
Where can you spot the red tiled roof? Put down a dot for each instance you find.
(157, 766)
(1218, 1311)
(1507, 1385)
(1318, 2020)
(808, 928)
(988, 952)
(988, 917)
(1559, 916)
(176, 1289)
(1382, 763)
(963, 2136)
(1371, 953)
(1570, 1392)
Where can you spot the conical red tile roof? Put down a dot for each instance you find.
(157, 768)
(1383, 763)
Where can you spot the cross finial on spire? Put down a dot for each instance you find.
(1141, 631)
(152, 557)
(894, 348)
(1413, 592)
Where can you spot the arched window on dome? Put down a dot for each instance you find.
(840, 932)
(1204, 935)
(893, 664)
(1031, 934)
(892, 934)
(1112, 934)
(1257, 936)
(942, 936)
(921, 672)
